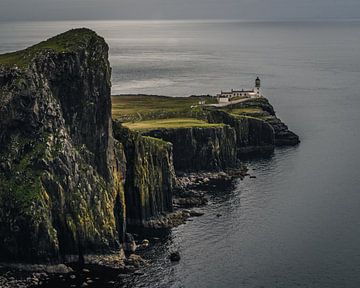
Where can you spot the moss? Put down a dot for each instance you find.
(157, 141)
(63, 43)
(23, 187)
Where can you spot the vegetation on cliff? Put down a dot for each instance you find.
(168, 123)
(144, 113)
(133, 108)
(61, 172)
(70, 41)
(260, 108)
(150, 176)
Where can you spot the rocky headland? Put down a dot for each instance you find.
(76, 171)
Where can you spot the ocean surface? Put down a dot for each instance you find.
(298, 223)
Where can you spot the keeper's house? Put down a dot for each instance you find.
(225, 97)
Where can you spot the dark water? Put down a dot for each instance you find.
(297, 224)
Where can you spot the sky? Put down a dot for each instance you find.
(177, 9)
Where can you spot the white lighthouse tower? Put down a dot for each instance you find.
(257, 87)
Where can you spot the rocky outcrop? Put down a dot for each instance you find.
(283, 136)
(61, 171)
(150, 176)
(252, 135)
(201, 149)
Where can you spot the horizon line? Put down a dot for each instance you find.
(204, 20)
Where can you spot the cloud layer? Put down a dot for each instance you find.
(177, 9)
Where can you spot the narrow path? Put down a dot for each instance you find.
(228, 103)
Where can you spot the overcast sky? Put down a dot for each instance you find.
(177, 9)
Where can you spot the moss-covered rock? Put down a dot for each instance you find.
(261, 109)
(201, 148)
(252, 135)
(150, 176)
(61, 171)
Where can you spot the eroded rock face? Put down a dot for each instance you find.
(61, 171)
(201, 149)
(150, 176)
(283, 136)
(252, 135)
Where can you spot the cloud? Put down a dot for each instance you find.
(176, 9)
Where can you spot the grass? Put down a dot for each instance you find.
(254, 112)
(65, 42)
(138, 106)
(169, 124)
(247, 111)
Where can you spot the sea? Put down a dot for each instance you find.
(297, 224)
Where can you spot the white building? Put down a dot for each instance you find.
(225, 97)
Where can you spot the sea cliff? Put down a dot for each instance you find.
(150, 176)
(61, 188)
(72, 179)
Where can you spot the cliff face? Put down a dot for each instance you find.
(61, 172)
(150, 176)
(283, 136)
(201, 149)
(252, 135)
(217, 148)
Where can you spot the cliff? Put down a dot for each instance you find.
(201, 149)
(220, 147)
(252, 135)
(61, 171)
(150, 176)
(260, 108)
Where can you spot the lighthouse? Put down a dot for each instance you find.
(257, 87)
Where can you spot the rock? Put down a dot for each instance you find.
(135, 260)
(191, 201)
(129, 268)
(84, 284)
(175, 256)
(56, 121)
(59, 269)
(150, 173)
(129, 244)
(145, 243)
(252, 135)
(85, 270)
(114, 260)
(283, 136)
(186, 214)
(211, 148)
(194, 213)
